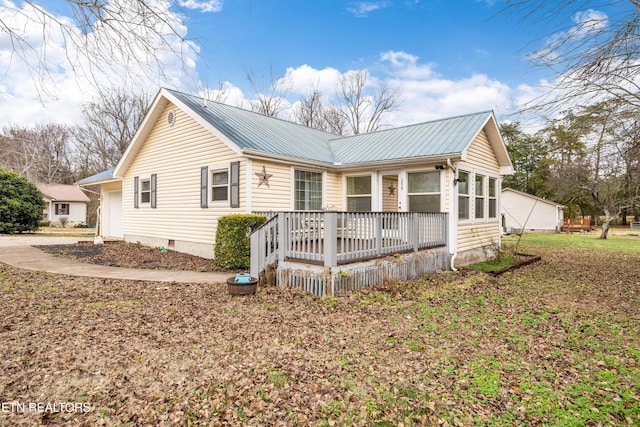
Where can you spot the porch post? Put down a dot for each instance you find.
(415, 231)
(378, 232)
(330, 239)
(257, 249)
(282, 236)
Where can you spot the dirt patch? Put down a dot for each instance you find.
(130, 255)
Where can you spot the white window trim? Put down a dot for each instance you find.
(373, 195)
(141, 204)
(293, 184)
(218, 167)
(428, 169)
(472, 197)
(489, 198)
(483, 196)
(468, 194)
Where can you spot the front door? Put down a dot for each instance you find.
(390, 193)
(389, 204)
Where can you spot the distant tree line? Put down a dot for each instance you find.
(588, 159)
(57, 153)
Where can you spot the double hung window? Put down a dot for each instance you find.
(424, 191)
(359, 193)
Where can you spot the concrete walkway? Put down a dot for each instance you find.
(18, 252)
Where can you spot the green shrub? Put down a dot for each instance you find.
(21, 204)
(233, 242)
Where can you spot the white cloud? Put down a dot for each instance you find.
(426, 95)
(589, 20)
(363, 8)
(55, 91)
(304, 79)
(203, 6)
(587, 23)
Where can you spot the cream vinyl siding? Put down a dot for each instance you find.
(483, 232)
(176, 155)
(275, 197)
(111, 186)
(333, 191)
(278, 196)
(474, 236)
(480, 156)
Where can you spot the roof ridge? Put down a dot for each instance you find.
(444, 119)
(174, 91)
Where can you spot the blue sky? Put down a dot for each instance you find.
(446, 57)
(461, 37)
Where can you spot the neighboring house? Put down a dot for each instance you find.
(193, 161)
(65, 204)
(524, 212)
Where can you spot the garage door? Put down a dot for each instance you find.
(114, 218)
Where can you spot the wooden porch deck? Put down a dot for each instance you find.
(576, 224)
(334, 240)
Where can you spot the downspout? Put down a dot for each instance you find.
(97, 238)
(453, 241)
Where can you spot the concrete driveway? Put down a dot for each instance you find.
(39, 239)
(17, 251)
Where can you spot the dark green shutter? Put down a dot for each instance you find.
(153, 190)
(136, 191)
(235, 185)
(204, 187)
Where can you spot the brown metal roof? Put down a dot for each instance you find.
(63, 193)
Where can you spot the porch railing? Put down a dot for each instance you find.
(334, 238)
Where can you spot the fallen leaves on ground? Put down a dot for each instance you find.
(545, 344)
(130, 255)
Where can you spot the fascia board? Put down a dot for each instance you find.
(499, 147)
(162, 99)
(145, 127)
(399, 163)
(261, 155)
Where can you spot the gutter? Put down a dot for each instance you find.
(453, 243)
(338, 166)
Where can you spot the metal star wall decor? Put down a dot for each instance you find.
(392, 189)
(263, 176)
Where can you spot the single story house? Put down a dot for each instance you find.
(65, 204)
(193, 161)
(525, 212)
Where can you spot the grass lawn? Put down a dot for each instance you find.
(554, 343)
(69, 232)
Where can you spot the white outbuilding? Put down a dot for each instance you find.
(525, 212)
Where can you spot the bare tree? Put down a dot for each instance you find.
(358, 108)
(335, 121)
(270, 93)
(42, 154)
(310, 111)
(110, 123)
(220, 94)
(595, 59)
(98, 36)
(363, 109)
